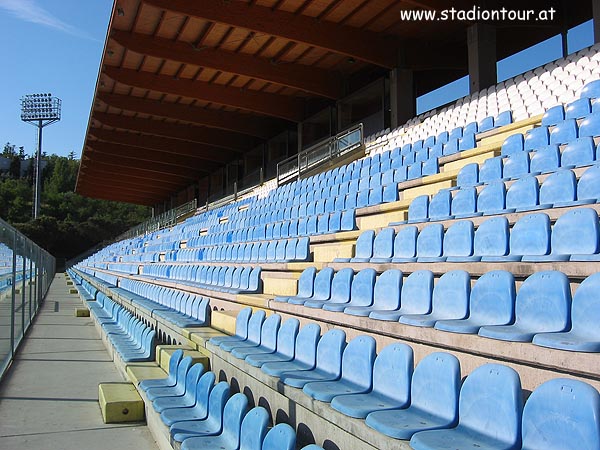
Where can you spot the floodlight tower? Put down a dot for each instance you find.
(40, 110)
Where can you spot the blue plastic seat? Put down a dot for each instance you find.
(392, 374)
(440, 204)
(492, 302)
(492, 199)
(305, 285)
(280, 437)
(415, 297)
(515, 166)
(305, 351)
(468, 175)
(561, 414)
(591, 90)
(536, 138)
(584, 335)
(523, 195)
(503, 118)
(198, 410)
(542, 305)
(328, 362)
(490, 410)
(383, 246)
(580, 152)
(363, 250)
(486, 124)
(188, 399)
(575, 236)
(450, 147)
(564, 132)
(414, 171)
(340, 289)
(464, 203)
(434, 395)
(553, 115)
(590, 126)
(455, 133)
(267, 342)
(418, 210)
(179, 388)
(284, 346)
(386, 296)
(490, 170)
(254, 329)
(321, 288)
(192, 425)
(361, 292)
(467, 142)
(349, 220)
(530, 236)
(546, 159)
(430, 243)
(450, 300)
(458, 242)
(588, 186)
(471, 127)
(356, 373)
(430, 167)
(578, 108)
(390, 192)
(559, 189)
(171, 380)
(405, 245)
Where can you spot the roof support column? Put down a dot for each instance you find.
(402, 96)
(481, 42)
(596, 15)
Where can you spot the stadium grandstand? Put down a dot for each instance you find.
(329, 268)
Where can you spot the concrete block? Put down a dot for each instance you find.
(73, 291)
(380, 220)
(280, 286)
(149, 372)
(479, 159)
(82, 312)
(120, 402)
(327, 253)
(427, 189)
(165, 353)
(69, 283)
(224, 321)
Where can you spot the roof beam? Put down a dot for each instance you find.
(261, 127)
(352, 42)
(168, 146)
(113, 168)
(120, 184)
(134, 164)
(143, 154)
(185, 132)
(107, 187)
(283, 107)
(117, 197)
(112, 173)
(309, 79)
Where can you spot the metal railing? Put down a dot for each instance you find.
(331, 148)
(26, 271)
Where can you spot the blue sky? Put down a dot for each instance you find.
(55, 46)
(50, 46)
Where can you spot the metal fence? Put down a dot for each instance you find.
(26, 271)
(334, 147)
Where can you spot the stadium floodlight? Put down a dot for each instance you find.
(39, 110)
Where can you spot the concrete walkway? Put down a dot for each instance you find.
(49, 397)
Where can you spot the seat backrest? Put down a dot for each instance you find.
(387, 290)
(553, 115)
(523, 193)
(561, 186)
(491, 403)
(536, 138)
(419, 208)
(492, 197)
(564, 132)
(268, 334)
(492, 300)
(340, 286)
(588, 186)
(458, 239)
(362, 289)
(490, 170)
(392, 372)
(468, 175)
(512, 144)
(233, 413)
(255, 326)
(364, 244)
(546, 159)
(254, 429)
(192, 378)
(219, 395)
(439, 207)
(322, 286)
(280, 437)
(383, 245)
(576, 232)
(286, 336)
(306, 282)
(203, 390)
(543, 303)
(464, 201)
(306, 343)
(435, 386)
(329, 351)
(530, 235)
(174, 361)
(357, 361)
(430, 240)
(590, 126)
(451, 294)
(417, 291)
